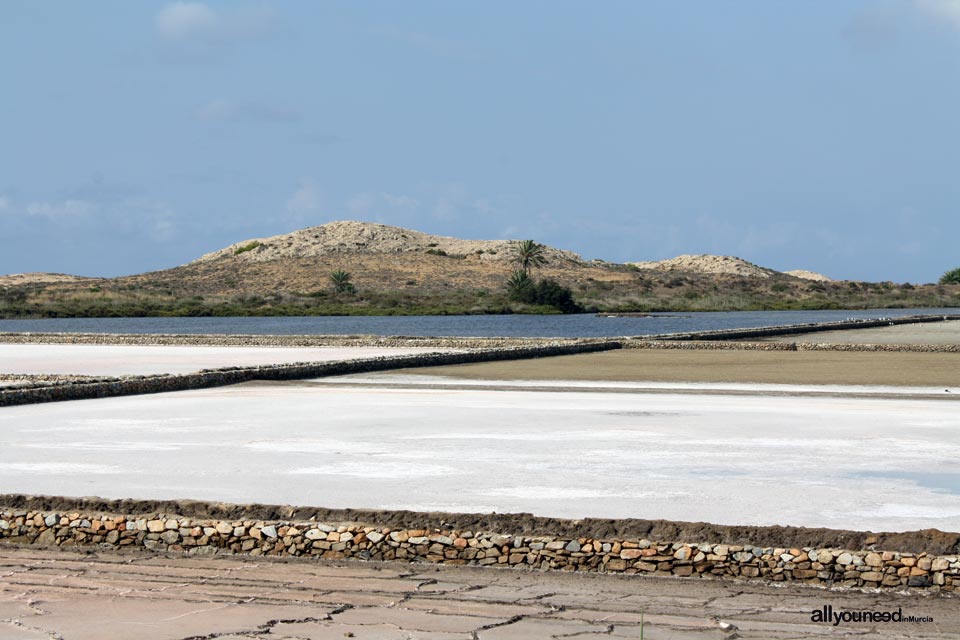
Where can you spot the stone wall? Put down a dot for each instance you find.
(729, 345)
(339, 540)
(793, 329)
(255, 340)
(296, 371)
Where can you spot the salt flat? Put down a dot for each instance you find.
(851, 463)
(118, 360)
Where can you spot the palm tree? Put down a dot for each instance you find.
(530, 254)
(951, 277)
(341, 282)
(519, 283)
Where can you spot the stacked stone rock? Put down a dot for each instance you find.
(255, 340)
(793, 329)
(135, 385)
(848, 568)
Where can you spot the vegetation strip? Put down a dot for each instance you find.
(233, 375)
(450, 544)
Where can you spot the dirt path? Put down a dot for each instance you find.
(91, 596)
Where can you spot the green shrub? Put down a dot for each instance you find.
(247, 247)
(546, 292)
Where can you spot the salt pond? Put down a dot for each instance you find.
(728, 459)
(117, 360)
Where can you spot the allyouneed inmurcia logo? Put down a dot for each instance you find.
(828, 615)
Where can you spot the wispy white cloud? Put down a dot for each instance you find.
(441, 46)
(229, 111)
(155, 217)
(378, 202)
(721, 234)
(140, 215)
(307, 199)
(196, 22)
(875, 26)
(362, 203)
(400, 201)
(945, 10)
(445, 203)
(64, 208)
(186, 19)
(455, 202)
(539, 225)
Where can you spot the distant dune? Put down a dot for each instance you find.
(803, 274)
(345, 237)
(706, 263)
(729, 265)
(15, 279)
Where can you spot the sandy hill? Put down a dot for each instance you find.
(377, 256)
(14, 279)
(803, 274)
(350, 237)
(725, 265)
(705, 263)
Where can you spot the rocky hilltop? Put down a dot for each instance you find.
(803, 274)
(351, 237)
(705, 263)
(728, 265)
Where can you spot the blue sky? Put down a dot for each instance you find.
(817, 134)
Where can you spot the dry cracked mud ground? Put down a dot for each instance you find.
(66, 595)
